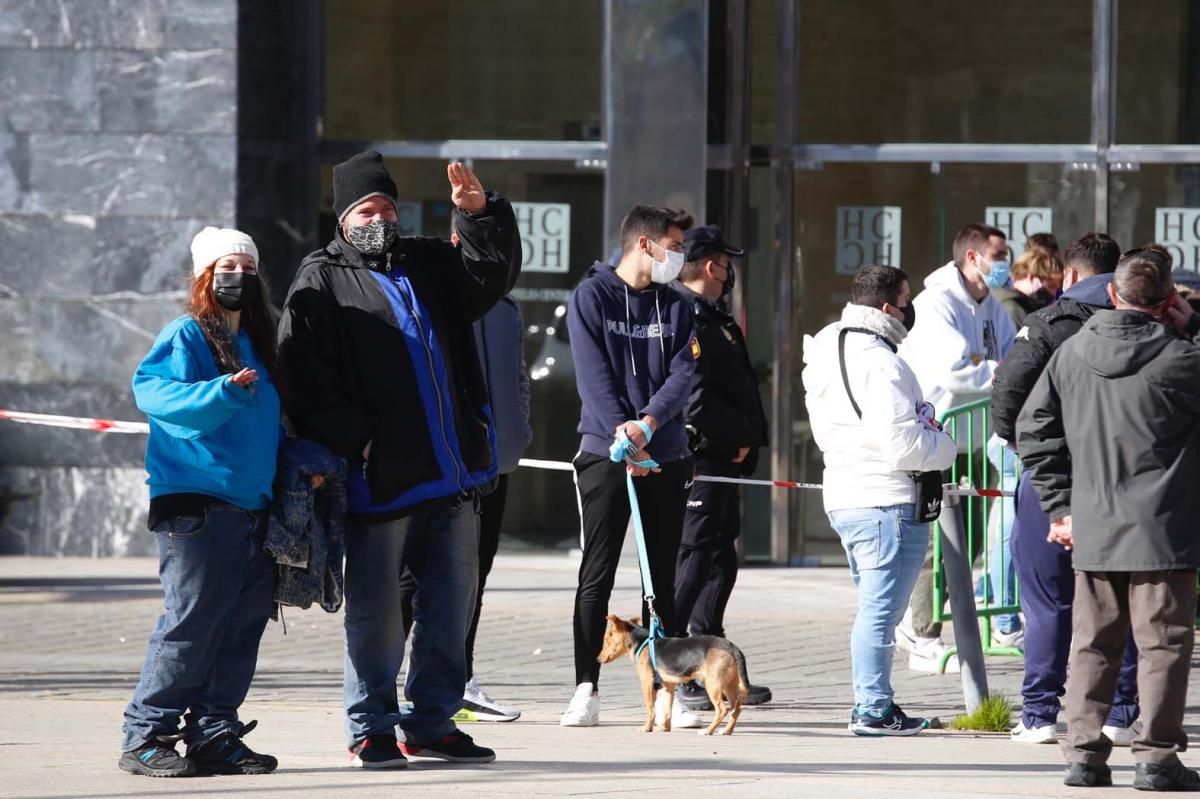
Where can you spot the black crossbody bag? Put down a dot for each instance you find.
(928, 484)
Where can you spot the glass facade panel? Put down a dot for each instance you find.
(764, 68)
(908, 72)
(1158, 202)
(904, 215)
(940, 71)
(1158, 72)
(522, 69)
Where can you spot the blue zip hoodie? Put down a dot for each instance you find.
(433, 382)
(207, 435)
(635, 355)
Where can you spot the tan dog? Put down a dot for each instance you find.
(719, 663)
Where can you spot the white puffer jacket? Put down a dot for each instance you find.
(868, 460)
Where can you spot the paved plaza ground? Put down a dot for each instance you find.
(73, 632)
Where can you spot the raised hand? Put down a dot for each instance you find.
(466, 192)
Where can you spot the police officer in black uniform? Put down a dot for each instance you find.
(726, 427)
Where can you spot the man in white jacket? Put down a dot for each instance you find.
(963, 334)
(874, 428)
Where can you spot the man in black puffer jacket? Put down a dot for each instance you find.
(380, 364)
(1044, 569)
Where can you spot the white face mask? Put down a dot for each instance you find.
(666, 270)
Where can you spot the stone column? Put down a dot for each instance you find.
(118, 143)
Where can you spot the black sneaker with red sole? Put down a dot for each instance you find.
(457, 747)
(378, 751)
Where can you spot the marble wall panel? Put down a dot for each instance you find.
(179, 91)
(37, 445)
(79, 341)
(80, 511)
(83, 24)
(132, 175)
(48, 90)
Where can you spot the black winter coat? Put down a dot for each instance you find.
(346, 363)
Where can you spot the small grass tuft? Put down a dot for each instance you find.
(994, 715)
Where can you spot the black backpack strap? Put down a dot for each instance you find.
(842, 363)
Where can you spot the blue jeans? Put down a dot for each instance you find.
(1000, 573)
(885, 548)
(218, 586)
(441, 550)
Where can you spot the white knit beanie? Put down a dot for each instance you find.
(213, 243)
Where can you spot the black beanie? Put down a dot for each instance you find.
(358, 178)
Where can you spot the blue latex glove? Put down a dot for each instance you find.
(623, 449)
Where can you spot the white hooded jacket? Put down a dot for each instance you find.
(868, 460)
(957, 342)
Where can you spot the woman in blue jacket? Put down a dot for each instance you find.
(206, 386)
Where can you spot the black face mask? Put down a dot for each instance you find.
(910, 316)
(730, 282)
(235, 290)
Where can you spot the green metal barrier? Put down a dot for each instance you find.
(984, 518)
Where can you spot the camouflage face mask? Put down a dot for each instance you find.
(373, 238)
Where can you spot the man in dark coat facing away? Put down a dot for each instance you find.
(1111, 437)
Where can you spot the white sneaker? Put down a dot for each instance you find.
(478, 706)
(1015, 639)
(681, 717)
(1021, 734)
(906, 638)
(584, 710)
(927, 656)
(1122, 736)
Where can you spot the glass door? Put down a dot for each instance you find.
(904, 215)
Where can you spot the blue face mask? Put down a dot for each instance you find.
(998, 277)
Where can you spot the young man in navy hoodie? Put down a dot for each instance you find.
(635, 355)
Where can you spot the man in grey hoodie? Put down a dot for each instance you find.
(1111, 439)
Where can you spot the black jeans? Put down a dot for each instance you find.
(708, 558)
(491, 514)
(604, 511)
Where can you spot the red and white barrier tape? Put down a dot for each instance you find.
(74, 422)
(113, 426)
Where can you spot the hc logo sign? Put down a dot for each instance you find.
(867, 235)
(1018, 224)
(1178, 229)
(545, 236)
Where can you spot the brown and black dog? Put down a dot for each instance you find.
(719, 663)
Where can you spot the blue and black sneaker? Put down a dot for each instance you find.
(157, 758)
(894, 722)
(226, 754)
